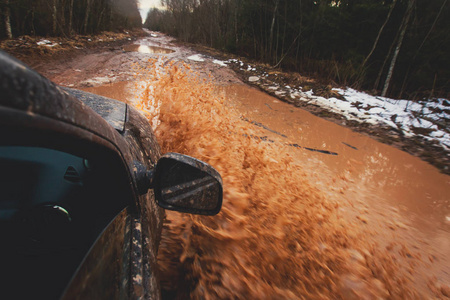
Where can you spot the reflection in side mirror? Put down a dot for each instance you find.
(183, 183)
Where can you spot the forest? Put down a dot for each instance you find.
(66, 17)
(395, 48)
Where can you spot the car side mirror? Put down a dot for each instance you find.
(183, 183)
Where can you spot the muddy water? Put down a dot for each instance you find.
(401, 191)
(311, 209)
(147, 49)
(119, 91)
(383, 172)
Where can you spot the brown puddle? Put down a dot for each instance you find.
(301, 193)
(118, 91)
(397, 191)
(388, 174)
(147, 49)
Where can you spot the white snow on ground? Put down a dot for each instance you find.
(46, 43)
(196, 57)
(404, 115)
(219, 62)
(426, 118)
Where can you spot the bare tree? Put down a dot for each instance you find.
(272, 25)
(86, 18)
(402, 29)
(54, 16)
(8, 20)
(62, 16)
(379, 34)
(405, 79)
(70, 17)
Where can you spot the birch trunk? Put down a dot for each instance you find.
(86, 18)
(8, 20)
(402, 29)
(70, 17)
(272, 26)
(379, 34)
(54, 11)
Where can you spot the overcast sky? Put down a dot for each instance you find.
(145, 5)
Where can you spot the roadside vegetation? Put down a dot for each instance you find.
(395, 48)
(66, 18)
(31, 30)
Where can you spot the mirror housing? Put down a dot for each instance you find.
(186, 184)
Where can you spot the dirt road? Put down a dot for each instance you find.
(311, 209)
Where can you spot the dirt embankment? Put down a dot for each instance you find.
(36, 50)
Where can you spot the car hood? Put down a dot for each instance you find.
(114, 112)
(23, 89)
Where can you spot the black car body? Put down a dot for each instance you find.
(78, 178)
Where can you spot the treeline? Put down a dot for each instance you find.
(398, 48)
(66, 17)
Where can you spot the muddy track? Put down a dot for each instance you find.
(107, 62)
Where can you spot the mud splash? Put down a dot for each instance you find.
(278, 236)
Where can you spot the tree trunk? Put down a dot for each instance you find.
(272, 26)
(420, 47)
(100, 19)
(402, 29)
(284, 32)
(54, 12)
(33, 30)
(379, 34)
(70, 17)
(263, 42)
(300, 32)
(62, 24)
(277, 40)
(432, 27)
(86, 18)
(235, 24)
(287, 51)
(8, 20)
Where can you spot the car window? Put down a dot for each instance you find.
(53, 206)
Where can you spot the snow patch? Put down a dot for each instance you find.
(196, 57)
(220, 63)
(46, 43)
(253, 78)
(412, 118)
